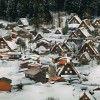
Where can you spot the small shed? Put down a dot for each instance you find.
(7, 45)
(36, 74)
(23, 22)
(58, 32)
(5, 84)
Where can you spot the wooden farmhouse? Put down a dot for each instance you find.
(23, 22)
(75, 20)
(96, 23)
(81, 33)
(45, 30)
(67, 49)
(29, 28)
(41, 50)
(86, 96)
(33, 32)
(89, 47)
(73, 45)
(84, 58)
(22, 32)
(10, 26)
(14, 55)
(4, 23)
(63, 60)
(56, 49)
(37, 74)
(32, 65)
(16, 29)
(86, 23)
(58, 32)
(37, 38)
(6, 41)
(1, 25)
(67, 69)
(75, 41)
(52, 74)
(43, 42)
(73, 37)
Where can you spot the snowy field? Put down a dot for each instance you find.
(57, 91)
(39, 91)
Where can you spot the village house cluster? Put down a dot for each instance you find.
(46, 54)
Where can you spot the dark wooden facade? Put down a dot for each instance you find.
(36, 74)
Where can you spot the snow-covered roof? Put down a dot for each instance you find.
(96, 22)
(72, 44)
(75, 18)
(23, 21)
(12, 44)
(58, 32)
(43, 40)
(5, 23)
(91, 47)
(4, 33)
(79, 20)
(41, 49)
(88, 24)
(88, 41)
(46, 60)
(73, 25)
(85, 32)
(96, 19)
(17, 28)
(86, 94)
(14, 53)
(30, 28)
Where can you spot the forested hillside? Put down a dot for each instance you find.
(11, 10)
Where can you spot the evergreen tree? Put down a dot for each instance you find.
(65, 29)
(22, 8)
(3, 7)
(40, 9)
(11, 12)
(41, 13)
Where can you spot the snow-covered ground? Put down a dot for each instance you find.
(39, 91)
